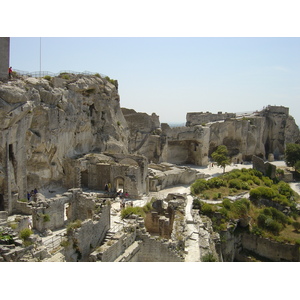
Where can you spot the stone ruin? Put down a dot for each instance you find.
(90, 211)
(70, 133)
(158, 238)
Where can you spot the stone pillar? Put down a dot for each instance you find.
(4, 57)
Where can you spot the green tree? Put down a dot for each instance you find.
(220, 156)
(292, 154)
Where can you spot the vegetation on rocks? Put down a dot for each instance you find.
(264, 221)
(292, 155)
(137, 210)
(73, 225)
(221, 156)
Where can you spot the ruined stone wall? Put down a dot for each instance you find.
(172, 176)
(266, 168)
(114, 249)
(45, 122)
(89, 236)
(49, 214)
(199, 118)
(153, 250)
(141, 126)
(186, 145)
(269, 249)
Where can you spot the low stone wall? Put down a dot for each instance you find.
(265, 167)
(154, 250)
(115, 248)
(199, 118)
(89, 236)
(172, 177)
(22, 208)
(234, 245)
(269, 249)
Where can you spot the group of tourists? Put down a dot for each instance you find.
(123, 196)
(31, 195)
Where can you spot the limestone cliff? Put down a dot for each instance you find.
(46, 125)
(260, 133)
(44, 122)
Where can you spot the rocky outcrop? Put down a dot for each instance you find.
(261, 133)
(46, 125)
(45, 122)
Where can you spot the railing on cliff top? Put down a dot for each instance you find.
(47, 73)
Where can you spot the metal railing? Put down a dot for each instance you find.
(39, 74)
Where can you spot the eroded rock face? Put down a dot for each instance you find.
(44, 122)
(262, 134)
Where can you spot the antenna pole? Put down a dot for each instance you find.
(40, 57)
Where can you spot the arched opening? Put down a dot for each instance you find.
(119, 184)
(66, 212)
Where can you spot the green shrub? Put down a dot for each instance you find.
(226, 203)
(245, 185)
(64, 76)
(278, 215)
(206, 196)
(261, 220)
(285, 189)
(47, 77)
(147, 207)
(256, 230)
(273, 226)
(245, 177)
(215, 196)
(250, 182)
(235, 183)
(240, 208)
(224, 212)
(46, 217)
(256, 180)
(262, 192)
(216, 182)
(196, 204)
(281, 200)
(268, 223)
(25, 234)
(199, 186)
(296, 225)
(208, 258)
(130, 210)
(267, 181)
(73, 225)
(206, 209)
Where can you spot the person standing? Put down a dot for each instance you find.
(9, 72)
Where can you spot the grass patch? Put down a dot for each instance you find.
(73, 225)
(137, 210)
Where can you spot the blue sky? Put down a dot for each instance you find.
(175, 75)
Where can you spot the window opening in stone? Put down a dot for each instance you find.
(119, 184)
(84, 179)
(66, 211)
(11, 155)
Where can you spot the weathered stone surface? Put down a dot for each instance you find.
(42, 125)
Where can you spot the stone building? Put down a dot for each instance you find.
(200, 118)
(4, 57)
(125, 172)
